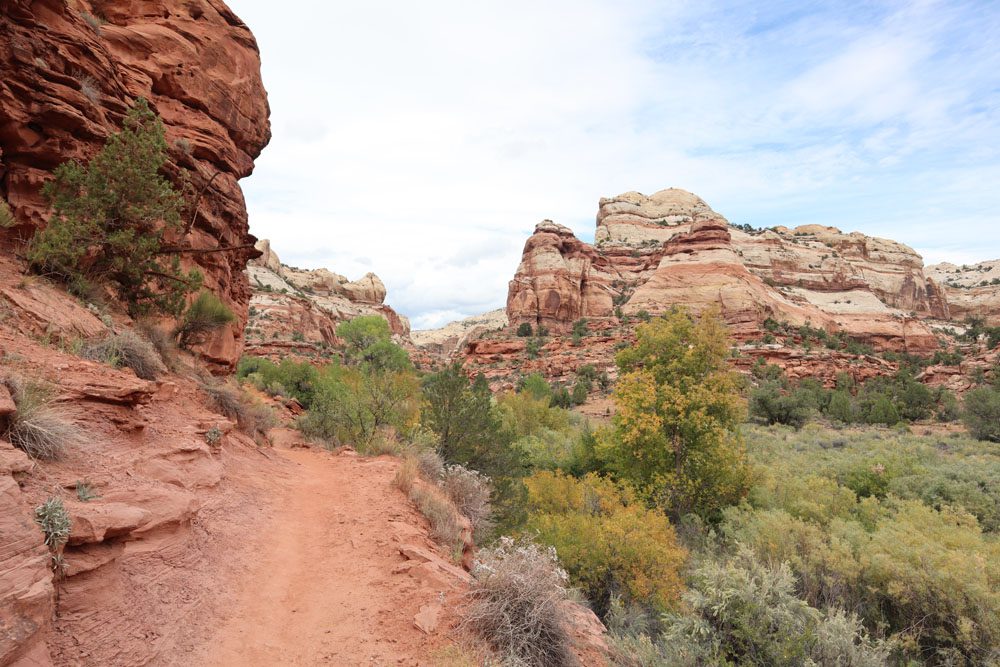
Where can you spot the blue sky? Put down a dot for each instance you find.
(423, 141)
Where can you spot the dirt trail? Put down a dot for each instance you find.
(321, 587)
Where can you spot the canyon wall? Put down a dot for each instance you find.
(71, 70)
(671, 248)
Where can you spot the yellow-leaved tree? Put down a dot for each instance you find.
(675, 434)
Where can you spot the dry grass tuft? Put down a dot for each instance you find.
(470, 491)
(517, 604)
(163, 342)
(252, 418)
(127, 349)
(446, 524)
(38, 428)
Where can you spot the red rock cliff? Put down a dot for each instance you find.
(70, 70)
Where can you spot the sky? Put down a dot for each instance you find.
(424, 141)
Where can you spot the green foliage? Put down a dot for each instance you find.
(294, 378)
(351, 405)
(535, 386)
(471, 432)
(524, 330)
(205, 314)
(85, 491)
(743, 612)
(607, 540)
(675, 435)
(533, 346)
(368, 342)
(53, 519)
(768, 405)
(981, 413)
(110, 218)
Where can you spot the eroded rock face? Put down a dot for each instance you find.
(296, 307)
(70, 71)
(671, 248)
(971, 290)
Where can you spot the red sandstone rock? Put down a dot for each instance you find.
(65, 87)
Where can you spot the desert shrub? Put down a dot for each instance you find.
(368, 342)
(213, 436)
(524, 330)
(409, 471)
(532, 347)
(430, 464)
(286, 378)
(580, 391)
(745, 612)
(517, 604)
(205, 314)
(947, 407)
(110, 218)
(446, 524)
(470, 491)
(39, 428)
(6, 216)
(85, 491)
(128, 349)
(252, 418)
(535, 386)
(981, 413)
(52, 517)
(162, 341)
(350, 405)
(608, 541)
(768, 405)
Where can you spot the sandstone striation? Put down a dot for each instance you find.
(971, 290)
(295, 308)
(72, 69)
(671, 248)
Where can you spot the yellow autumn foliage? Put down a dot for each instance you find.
(608, 541)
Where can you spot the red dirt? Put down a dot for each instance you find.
(320, 588)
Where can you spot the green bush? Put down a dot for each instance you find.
(768, 405)
(205, 314)
(981, 413)
(53, 519)
(524, 330)
(111, 216)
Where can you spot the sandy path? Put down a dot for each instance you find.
(321, 588)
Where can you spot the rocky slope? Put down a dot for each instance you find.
(971, 290)
(454, 335)
(298, 310)
(71, 69)
(671, 248)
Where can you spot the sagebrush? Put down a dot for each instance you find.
(39, 427)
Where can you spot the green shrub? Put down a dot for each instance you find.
(517, 604)
(110, 218)
(746, 613)
(39, 428)
(205, 314)
(768, 405)
(470, 492)
(54, 521)
(981, 413)
(524, 330)
(85, 491)
(127, 349)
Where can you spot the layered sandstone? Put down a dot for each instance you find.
(295, 308)
(671, 248)
(971, 290)
(72, 69)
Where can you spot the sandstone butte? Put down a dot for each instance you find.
(671, 248)
(68, 79)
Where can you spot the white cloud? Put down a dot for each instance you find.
(424, 141)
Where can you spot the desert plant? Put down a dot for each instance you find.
(205, 314)
(162, 341)
(92, 21)
(85, 491)
(446, 524)
(470, 491)
(431, 464)
(38, 427)
(406, 476)
(254, 419)
(982, 413)
(213, 436)
(524, 330)
(110, 218)
(127, 349)
(6, 216)
(54, 521)
(517, 604)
